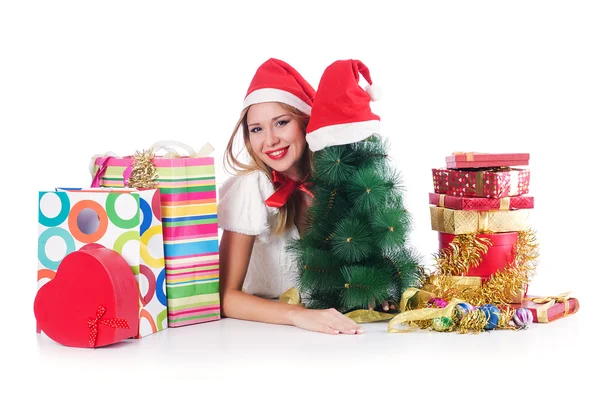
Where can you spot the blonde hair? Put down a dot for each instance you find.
(285, 218)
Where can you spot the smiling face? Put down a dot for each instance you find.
(277, 138)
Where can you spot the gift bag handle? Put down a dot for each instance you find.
(168, 145)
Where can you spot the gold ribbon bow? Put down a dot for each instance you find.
(547, 302)
(564, 297)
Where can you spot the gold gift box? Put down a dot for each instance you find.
(447, 220)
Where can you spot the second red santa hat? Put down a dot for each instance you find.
(341, 111)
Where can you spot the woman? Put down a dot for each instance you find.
(264, 206)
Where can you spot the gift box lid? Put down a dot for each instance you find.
(483, 160)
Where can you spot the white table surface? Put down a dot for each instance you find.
(240, 356)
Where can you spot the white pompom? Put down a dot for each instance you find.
(374, 92)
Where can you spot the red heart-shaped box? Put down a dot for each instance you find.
(69, 308)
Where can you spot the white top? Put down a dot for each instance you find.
(242, 209)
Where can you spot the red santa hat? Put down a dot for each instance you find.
(342, 111)
(276, 81)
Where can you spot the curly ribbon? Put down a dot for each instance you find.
(286, 187)
(403, 321)
(111, 322)
(292, 297)
(547, 302)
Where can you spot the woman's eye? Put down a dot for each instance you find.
(255, 129)
(281, 123)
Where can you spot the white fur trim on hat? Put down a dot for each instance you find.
(341, 134)
(274, 95)
(374, 92)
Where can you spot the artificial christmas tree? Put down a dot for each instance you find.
(355, 253)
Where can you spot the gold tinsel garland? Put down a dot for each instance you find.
(472, 322)
(466, 251)
(143, 172)
(448, 283)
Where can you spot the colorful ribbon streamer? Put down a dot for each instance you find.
(111, 322)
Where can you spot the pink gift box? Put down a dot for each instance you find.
(480, 203)
(486, 160)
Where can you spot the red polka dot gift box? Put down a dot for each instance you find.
(127, 221)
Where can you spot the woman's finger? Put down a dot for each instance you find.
(345, 318)
(328, 330)
(343, 323)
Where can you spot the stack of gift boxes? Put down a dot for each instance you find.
(484, 194)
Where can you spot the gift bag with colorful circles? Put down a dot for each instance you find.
(127, 221)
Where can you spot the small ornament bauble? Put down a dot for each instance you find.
(442, 324)
(462, 308)
(523, 318)
(438, 302)
(493, 316)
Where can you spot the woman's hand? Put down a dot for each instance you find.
(329, 321)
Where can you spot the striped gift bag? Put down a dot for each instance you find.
(190, 231)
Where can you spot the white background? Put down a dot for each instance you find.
(81, 78)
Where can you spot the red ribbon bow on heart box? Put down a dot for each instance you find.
(110, 322)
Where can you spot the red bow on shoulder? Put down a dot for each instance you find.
(285, 187)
